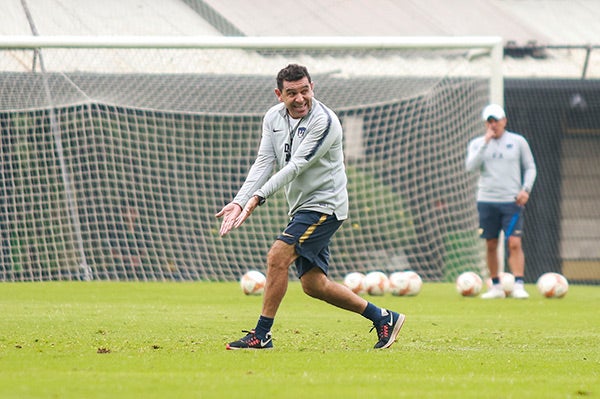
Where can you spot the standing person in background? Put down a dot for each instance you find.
(304, 138)
(507, 173)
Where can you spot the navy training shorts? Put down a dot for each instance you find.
(311, 234)
(497, 216)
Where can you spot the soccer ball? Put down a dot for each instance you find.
(553, 285)
(377, 283)
(253, 282)
(356, 282)
(406, 283)
(468, 284)
(507, 281)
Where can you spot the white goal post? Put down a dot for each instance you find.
(117, 151)
(491, 44)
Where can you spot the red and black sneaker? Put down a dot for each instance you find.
(388, 328)
(251, 341)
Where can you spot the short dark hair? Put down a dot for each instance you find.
(292, 73)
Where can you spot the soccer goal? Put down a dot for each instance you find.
(117, 152)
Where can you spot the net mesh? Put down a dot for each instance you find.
(115, 161)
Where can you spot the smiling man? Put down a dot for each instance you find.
(303, 138)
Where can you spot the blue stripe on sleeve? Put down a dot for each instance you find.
(322, 139)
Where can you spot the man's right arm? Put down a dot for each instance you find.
(475, 154)
(260, 171)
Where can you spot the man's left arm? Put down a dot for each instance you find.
(529, 173)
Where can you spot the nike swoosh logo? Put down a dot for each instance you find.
(264, 343)
(277, 130)
(391, 322)
(286, 235)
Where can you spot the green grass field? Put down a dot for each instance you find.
(167, 340)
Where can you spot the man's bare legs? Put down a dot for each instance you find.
(516, 261)
(314, 283)
(317, 285)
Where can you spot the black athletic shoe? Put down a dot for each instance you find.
(251, 341)
(388, 328)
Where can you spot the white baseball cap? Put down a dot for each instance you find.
(493, 111)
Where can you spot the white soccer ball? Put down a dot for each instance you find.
(407, 283)
(469, 284)
(253, 282)
(552, 285)
(507, 280)
(356, 282)
(377, 283)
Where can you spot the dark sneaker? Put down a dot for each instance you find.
(251, 341)
(388, 328)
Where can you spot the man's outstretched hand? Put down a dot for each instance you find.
(233, 215)
(229, 213)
